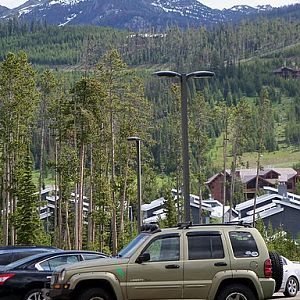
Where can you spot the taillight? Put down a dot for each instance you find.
(4, 277)
(268, 268)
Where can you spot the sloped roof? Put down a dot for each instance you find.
(267, 213)
(155, 203)
(291, 196)
(259, 200)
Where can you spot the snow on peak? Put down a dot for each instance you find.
(65, 2)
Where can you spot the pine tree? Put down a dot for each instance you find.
(29, 230)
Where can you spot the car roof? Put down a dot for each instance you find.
(5, 249)
(33, 258)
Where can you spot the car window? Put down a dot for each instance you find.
(5, 258)
(89, 256)
(52, 263)
(20, 255)
(164, 249)
(243, 244)
(205, 247)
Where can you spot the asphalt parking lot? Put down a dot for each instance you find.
(278, 296)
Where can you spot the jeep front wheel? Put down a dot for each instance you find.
(94, 294)
(236, 291)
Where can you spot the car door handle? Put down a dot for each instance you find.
(48, 277)
(172, 266)
(220, 264)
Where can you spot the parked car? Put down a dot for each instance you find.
(24, 279)
(209, 261)
(9, 254)
(291, 277)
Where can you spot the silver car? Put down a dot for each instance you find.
(291, 277)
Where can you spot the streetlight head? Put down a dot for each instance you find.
(167, 74)
(133, 138)
(200, 74)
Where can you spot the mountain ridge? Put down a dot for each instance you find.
(135, 15)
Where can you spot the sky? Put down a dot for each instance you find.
(211, 3)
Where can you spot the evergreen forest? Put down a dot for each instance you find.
(71, 96)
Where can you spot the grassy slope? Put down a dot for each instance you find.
(286, 156)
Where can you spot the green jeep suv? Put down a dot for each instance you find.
(215, 261)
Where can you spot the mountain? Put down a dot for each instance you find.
(136, 15)
(3, 10)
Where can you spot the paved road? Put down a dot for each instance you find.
(278, 296)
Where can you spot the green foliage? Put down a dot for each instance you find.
(169, 209)
(278, 240)
(29, 229)
(103, 91)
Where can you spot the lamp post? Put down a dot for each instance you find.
(184, 130)
(139, 175)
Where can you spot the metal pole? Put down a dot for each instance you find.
(185, 147)
(139, 184)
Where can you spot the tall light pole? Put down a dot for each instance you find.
(139, 176)
(184, 131)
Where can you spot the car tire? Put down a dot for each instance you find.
(236, 291)
(292, 287)
(34, 294)
(277, 269)
(94, 294)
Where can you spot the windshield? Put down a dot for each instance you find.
(133, 245)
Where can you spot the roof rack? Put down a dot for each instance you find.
(190, 224)
(150, 228)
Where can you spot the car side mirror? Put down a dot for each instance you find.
(143, 257)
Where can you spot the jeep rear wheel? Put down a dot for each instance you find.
(94, 294)
(236, 292)
(277, 269)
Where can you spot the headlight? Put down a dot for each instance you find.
(62, 275)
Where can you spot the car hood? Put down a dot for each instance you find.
(96, 264)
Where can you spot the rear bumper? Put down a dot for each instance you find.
(268, 287)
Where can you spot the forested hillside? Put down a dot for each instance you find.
(73, 96)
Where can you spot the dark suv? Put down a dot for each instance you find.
(9, 254)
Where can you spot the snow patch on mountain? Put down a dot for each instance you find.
(65, 2)
(26, 10)
(69, 19)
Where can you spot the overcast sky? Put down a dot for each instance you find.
(211, 3)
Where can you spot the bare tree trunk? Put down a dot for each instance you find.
(80, 200)
(5, 196)
(91, 204)
(200, 192)
(177, 197)
(256, 187)
(113, 197)
(122, 204)
(224, 171)
(41, 177)
(56, 223)
(67, 230)
(232, 185)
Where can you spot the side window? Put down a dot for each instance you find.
(89, 256)
(164, 249)
(5, 258)
(243, 244)
(20, 255)
(53, 263)
(205, 247)
(283, 261)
